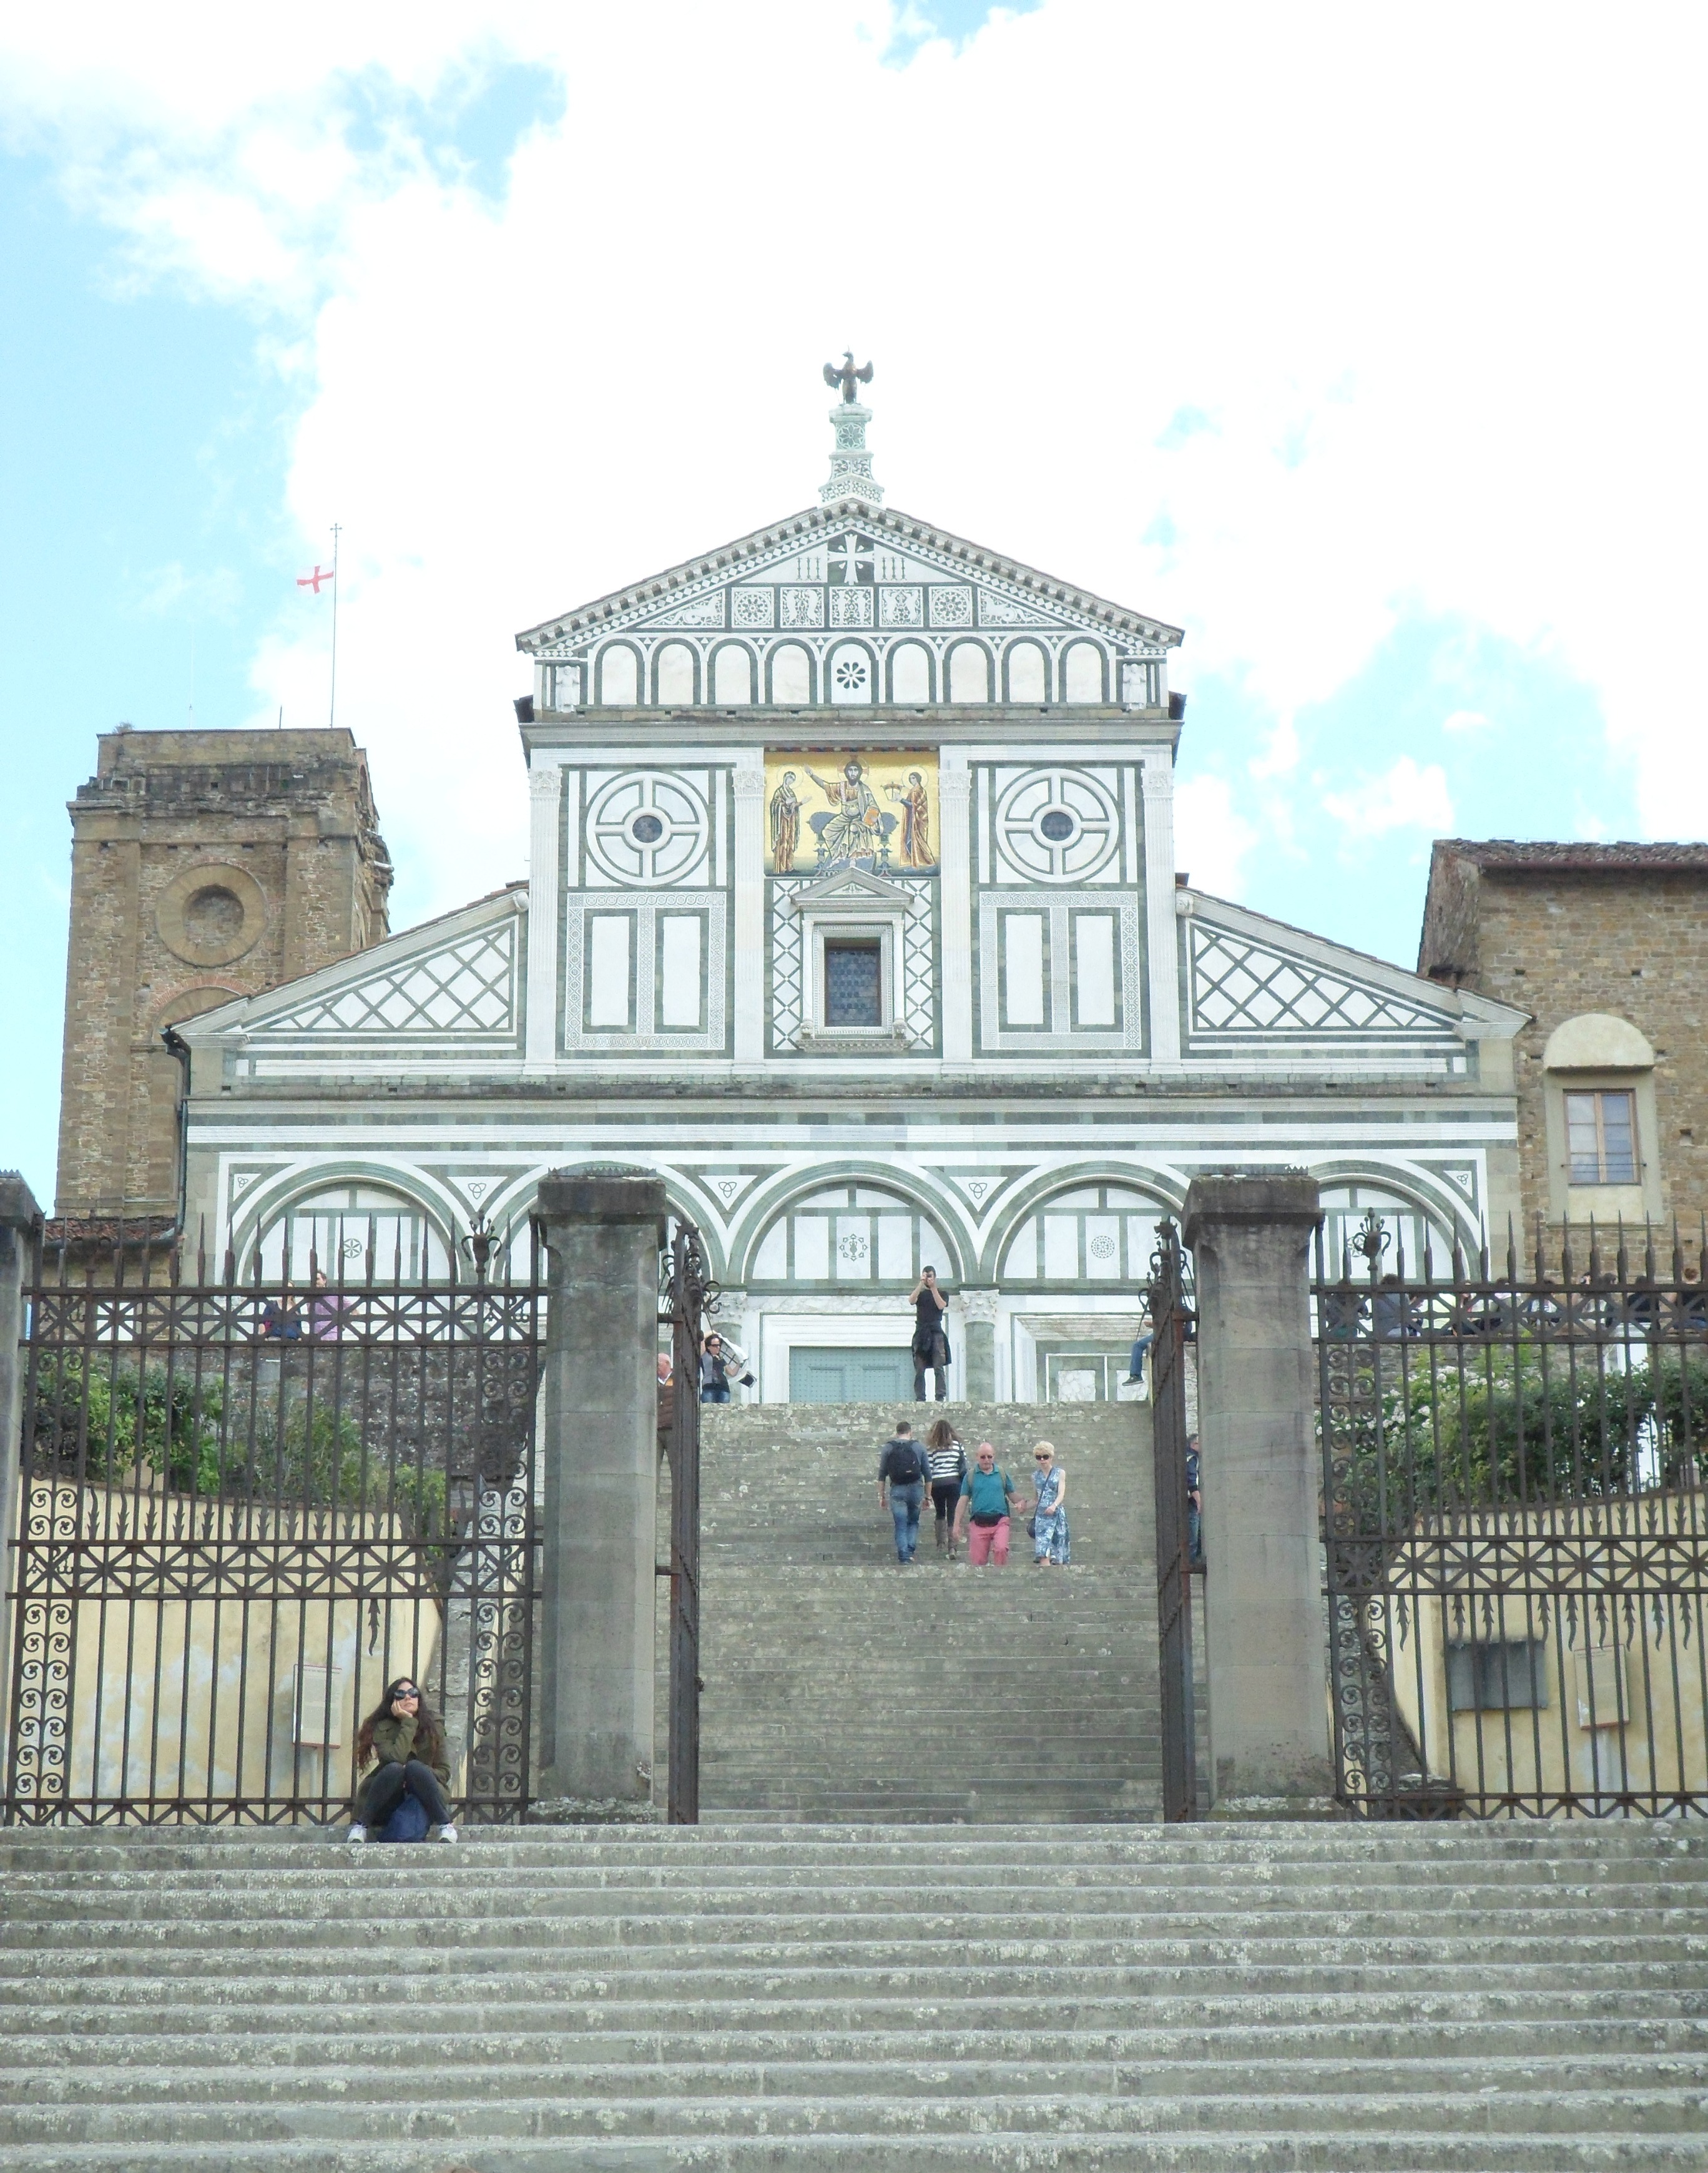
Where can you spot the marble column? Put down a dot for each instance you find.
(749, 873)
(955, 893)
(545, 799)
(1162, 936)
(978, 1360)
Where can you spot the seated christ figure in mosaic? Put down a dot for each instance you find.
(856, 828)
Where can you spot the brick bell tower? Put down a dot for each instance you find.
(205, 865)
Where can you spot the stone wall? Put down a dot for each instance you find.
(205, 865)
(1622, 929)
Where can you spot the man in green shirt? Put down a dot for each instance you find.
(986, 1494)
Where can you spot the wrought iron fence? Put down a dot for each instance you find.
(1515, 1479)
(245, 1510)
(687, 1297)
(1170, 1324)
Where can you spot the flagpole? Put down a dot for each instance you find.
(332, 706)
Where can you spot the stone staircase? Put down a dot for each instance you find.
(839, 1686)
(1207, 1999)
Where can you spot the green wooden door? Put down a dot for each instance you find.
(818, 1375)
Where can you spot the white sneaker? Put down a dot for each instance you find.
(356, 1833)
(447, 1833)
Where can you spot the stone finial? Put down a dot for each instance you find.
(850, 463)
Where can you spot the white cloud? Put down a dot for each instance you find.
(1402, 798)
(1211, 839)
(1418, 402)
(1467, 720)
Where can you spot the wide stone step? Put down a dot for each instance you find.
(934, 2107)
(878, 2069)
(55, 2067)
(734, 2033)
(468, 1883)
(1556, 1853)
(923, 1908)
(803, 1972)
(1062, 2150)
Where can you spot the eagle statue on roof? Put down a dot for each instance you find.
(847, 376)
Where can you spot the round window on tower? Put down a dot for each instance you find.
(211, 915)
(1058, 825)
(646, 829)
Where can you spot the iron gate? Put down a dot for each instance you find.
(688, 1296)
(1170, 1321)
(1517, 1544)
(244, 1510)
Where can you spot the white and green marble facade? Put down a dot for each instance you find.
(1067, 1035)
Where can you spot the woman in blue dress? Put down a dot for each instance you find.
(1052, 1541)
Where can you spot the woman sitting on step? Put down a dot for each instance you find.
(405, 1793)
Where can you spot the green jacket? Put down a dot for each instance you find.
(394, 1743)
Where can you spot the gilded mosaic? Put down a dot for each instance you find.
(825, 812)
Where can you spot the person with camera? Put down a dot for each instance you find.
(718, 1360)
(930, 1343)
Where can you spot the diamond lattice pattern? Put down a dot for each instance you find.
(1237, 985)
(468, 988)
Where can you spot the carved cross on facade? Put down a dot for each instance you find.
(847, 376)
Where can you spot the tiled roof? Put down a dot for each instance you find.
(1574, 856)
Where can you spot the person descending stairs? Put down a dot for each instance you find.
(835, 1688)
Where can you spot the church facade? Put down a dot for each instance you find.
(852, 912)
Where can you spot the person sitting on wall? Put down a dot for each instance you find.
(403, 1739)
(1142, 1341)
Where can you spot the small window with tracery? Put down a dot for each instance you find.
(1601, 1137)
(852, 995)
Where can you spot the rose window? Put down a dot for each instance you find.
(647, 826)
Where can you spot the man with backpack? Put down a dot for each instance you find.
(901, 1488)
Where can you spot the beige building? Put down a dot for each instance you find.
(1606, 946)
(205, 866)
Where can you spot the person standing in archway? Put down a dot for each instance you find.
(930, 1343)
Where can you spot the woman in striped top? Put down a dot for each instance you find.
(946, 1461)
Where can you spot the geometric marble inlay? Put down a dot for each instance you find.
(1236, 983)
(468, 987)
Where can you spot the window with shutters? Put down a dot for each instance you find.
(1600, 1136)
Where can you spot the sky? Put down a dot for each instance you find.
(1366, 344)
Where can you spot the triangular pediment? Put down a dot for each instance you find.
(457, 979)
(855, 566)
(1251, 979)
(853, 887)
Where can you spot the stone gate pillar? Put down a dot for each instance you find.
(1250, 1236)
(599, 1465)
(20, 1220)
